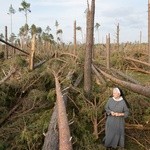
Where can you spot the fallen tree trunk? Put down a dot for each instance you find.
(39, 64)
(138, 61)
(98, 75)
(136, 126)
(63, 124)
(51, 137)
(137, 88)
(140, 70)
(128, 78)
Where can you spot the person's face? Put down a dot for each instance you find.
(116, 94)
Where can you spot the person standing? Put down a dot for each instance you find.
(117, 109)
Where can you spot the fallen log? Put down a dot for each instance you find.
(98, 75)
(14, 47)
(63, 124)
(138, 61)
(51, 137)
(137, 88)
(125, 76)
(136, 126)
(39, 64)
(140, 70)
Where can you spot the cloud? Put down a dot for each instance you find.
(62, 3)
(130, 14)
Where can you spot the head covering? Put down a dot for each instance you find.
(122, 95)
(117, 90)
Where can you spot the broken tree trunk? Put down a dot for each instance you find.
(138, 61)
(102, 80)
(31, 63)
(51, 137)
(89, 49)
(75, 40)
(125, 76)
(39, 64)
(108, 51)
(63, 125)
(143, 90)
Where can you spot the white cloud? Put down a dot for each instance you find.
(130, 14)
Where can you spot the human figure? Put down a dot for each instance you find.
(117, 109)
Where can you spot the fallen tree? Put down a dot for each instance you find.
(137, 61)
(51, 137)
(137, 88)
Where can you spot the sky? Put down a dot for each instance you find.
(131, 15)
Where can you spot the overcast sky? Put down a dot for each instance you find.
(130, 14)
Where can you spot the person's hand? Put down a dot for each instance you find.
(112, 113)
(118, 114)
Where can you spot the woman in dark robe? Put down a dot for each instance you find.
(117, 109)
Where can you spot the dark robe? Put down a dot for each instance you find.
(114, 128)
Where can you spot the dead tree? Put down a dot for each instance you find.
(75, 41)
(89, 49)
(3, 41)
(118, 30)
(63, 125)
(51, 137)
(137, 88)
(31, 63)
(148, 31)
(6, 47)
(138, 61)
(108, 51)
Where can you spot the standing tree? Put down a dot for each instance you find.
(75, 37)
(1, 36)
(11, 12)
(80, 29)
(108, 51)
(149, 31)
(89, 49)
(33, 29)
(118, 38)
(59, 35)
(56, 25)
(26, 9)
(23, 34)
(97, 25)
(48, 29)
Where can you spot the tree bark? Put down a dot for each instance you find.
(63, 125)
(51, 137)
(75, 41)
(31, 63)
(88, 52)
(137, 88)
(138, 61)
(108, 51)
